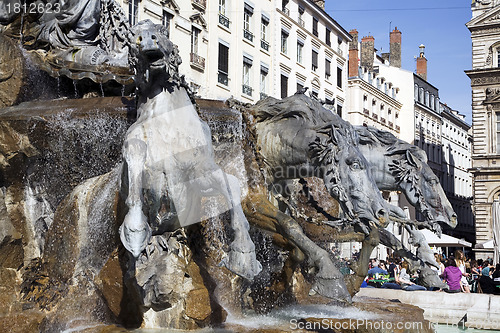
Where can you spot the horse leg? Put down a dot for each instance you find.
(360, 267)
(241, 258)
(135, 233)
(329, 281)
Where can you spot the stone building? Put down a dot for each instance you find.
(249, 49)
(485, 83)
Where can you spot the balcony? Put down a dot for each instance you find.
(366, 111)
(223, 78)
(286, 11)
(340, 52)
(200, 4)
(397, 128)
(247, 90)
(374, 116)
(263, 95)
(197, 61)
(391, 125)
(264, 45)
(382, 120)
(248, 35)
(223, 20)
(301, 22)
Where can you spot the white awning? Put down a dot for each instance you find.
(486, 245)
(444, 241)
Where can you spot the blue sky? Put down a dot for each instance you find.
(439, 25)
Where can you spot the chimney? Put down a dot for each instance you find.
(320, 3)
(353, 54)
(367, 51)
(422, 63)
(395, 48)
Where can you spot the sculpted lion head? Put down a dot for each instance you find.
(153, 56)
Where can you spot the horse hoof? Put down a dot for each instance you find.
(332, 288)
(243, 264)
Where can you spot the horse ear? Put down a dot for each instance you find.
(413, 160)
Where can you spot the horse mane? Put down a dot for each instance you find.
(373, 136)
(304, 108)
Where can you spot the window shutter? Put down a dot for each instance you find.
(315, 58)
(339, 77)
(223, 58)
(327, 67)
(315, 26)
(284, 86)
(327, 39)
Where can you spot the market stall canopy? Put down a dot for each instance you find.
(444, 241)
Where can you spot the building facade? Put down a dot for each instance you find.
(456, 180)
(383, 95)
(250, 49)
(485, 85)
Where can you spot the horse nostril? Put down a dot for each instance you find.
(381, 213)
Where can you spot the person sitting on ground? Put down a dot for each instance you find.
(404, 279)
(393, 273)
(376, 269)
(452, 276)
(486, 283)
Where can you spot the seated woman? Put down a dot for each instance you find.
(404, 279)
(452, 275)
(486, 282)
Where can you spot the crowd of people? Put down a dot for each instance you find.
(459, 273)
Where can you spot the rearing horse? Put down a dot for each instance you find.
(168, 157)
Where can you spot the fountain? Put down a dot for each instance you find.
(126, 203)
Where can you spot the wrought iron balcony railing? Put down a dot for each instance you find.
(248, 35)
(264, 45)
(247, 90)
(223, 78)
(301, 22)
(197, 61)
(263, 95)
(223, 20)
(286, 11)
(366, 111)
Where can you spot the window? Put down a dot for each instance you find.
(222, 7)
(300, 46)
(300, 86)
(132, 11)
(263, 32)
(498, 56)
(328, 64)
(247, 24)
(167, 21)
(327, 37)
(284, 86)
(301, 13)
(247, 66)
(284, 8)
(315, 26)
(263, 81)
(284, 42)
(339, 77)
(223, 20)
(223, 64)
(314, 60)
(339, 110)
(498, 133)
(195, 33)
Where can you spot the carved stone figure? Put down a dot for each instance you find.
(168, 158)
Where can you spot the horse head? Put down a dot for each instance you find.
(348, 178)
(153, 55)
(422, 188)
